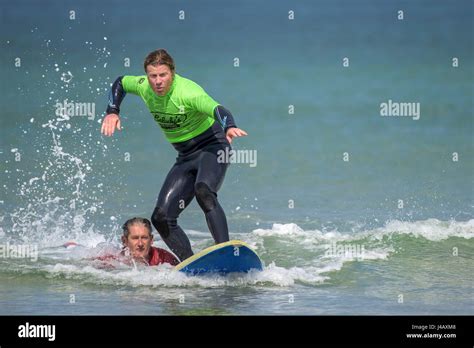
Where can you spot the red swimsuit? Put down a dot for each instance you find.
(159, 256)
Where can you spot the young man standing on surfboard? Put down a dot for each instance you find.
(187, 115)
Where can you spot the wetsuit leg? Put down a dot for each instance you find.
(176, 193)
(210, 176)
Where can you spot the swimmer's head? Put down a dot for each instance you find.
(137, 237)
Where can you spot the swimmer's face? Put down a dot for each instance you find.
(138, 242)
(160, 78)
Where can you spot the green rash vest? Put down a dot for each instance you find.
(183, 113)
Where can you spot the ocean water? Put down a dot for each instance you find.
(351, 212)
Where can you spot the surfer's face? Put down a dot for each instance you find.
(138, 242)
(160, 78)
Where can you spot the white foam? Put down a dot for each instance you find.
(431, 229)
(313, 268)
(165, 276)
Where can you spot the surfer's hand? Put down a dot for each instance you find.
(109, 123)
(235, 132)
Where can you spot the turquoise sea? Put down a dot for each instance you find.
(352, 212)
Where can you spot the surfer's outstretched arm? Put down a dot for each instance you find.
(226, 120)
(112, 119)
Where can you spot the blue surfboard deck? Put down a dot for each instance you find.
(224, 258)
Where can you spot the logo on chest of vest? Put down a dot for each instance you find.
(169, 121)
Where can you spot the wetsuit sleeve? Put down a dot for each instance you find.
(224, 117)
(116, 95)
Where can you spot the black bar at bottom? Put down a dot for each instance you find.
(236, 330)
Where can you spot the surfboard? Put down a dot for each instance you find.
(229, 257)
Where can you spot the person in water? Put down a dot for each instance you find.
(137, 241)
(187, 115)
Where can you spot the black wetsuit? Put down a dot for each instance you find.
(196, 173)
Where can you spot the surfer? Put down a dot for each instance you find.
(187, 115)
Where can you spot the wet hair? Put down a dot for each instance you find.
(159, 57)
(133, 221)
